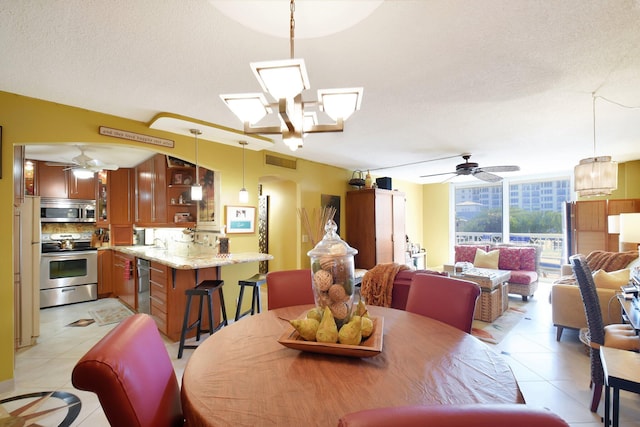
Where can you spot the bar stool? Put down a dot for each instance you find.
(254, 281)
(206, 288)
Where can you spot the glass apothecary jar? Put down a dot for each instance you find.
(333, 274)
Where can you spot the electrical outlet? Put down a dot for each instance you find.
(305, 238)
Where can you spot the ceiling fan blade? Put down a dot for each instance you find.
(501, 168)
(436, 174)
(486, 176)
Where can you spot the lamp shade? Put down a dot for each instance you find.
(248, 107)
(196, 192)
(596, 176)
(630, 228)
(282, 79)
(340, 103)
(613, 224)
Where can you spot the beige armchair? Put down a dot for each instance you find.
(567, 310)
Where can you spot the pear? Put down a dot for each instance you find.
(307, 328)
(361, 309)
(367, 327)
(327, 330)
(351, 332)
(315, 313)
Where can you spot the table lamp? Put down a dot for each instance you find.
(629, 232)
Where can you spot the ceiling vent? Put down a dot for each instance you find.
(280, 161)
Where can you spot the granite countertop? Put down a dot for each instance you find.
(185, 262)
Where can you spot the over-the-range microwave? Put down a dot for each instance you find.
(67, 210)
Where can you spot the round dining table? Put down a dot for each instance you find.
(242, 375)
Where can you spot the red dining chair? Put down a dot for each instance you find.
(131, 372)
(476, 415)
(446, 299)
(289, 287)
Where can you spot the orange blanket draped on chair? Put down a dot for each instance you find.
(377, 283)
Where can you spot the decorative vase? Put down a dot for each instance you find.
(368, 182)
(333, 274)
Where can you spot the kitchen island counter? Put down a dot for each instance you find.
(190, 262)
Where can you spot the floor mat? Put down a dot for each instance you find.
(494, 332)
(110, 314)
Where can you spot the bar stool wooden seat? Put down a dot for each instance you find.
(205, 289)
(255, 281)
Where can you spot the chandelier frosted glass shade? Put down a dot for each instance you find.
(282, 79)
(596, 176)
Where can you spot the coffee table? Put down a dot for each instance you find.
(494, 298)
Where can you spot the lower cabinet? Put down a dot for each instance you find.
(168, 299)
(124, 281)
(105, 273)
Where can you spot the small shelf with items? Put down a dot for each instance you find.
(180, 178)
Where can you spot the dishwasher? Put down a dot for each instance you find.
(144, 302)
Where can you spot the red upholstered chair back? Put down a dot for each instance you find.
(131, 372)
(289, 287)
(478, 415)
(448, 300)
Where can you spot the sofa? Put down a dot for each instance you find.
(522, 261)
(610, 270)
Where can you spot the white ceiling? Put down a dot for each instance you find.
(509, 81)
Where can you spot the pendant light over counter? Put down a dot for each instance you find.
(196, 188)
(243, 195)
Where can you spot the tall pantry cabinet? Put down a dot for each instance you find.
(376, 226)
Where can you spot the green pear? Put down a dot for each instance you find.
(367, 327)
(361, 309)
(327, 330)
(351, 332)
(315, 313)
(307, 328)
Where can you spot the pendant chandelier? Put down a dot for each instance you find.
(596, 176)
(284, 81)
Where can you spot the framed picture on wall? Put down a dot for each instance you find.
(241, 219)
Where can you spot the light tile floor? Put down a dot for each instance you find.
(551, 374)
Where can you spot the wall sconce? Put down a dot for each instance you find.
(629, 232)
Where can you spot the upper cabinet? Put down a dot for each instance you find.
(151, 191)
(60, 182)
(115, 202)
(180, 177)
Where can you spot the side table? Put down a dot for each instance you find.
(621, 372)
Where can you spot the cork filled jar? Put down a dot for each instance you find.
(333, 274)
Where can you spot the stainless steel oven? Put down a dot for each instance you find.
(68, 273)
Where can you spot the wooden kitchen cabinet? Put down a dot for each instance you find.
(60, 182)
(105, 273)
(151, 194)
(168, 301)
(181, 209)
(124, 280)
(115, 197)
(376, 226)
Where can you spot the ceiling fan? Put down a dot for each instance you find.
(86, 163)
(471, 168)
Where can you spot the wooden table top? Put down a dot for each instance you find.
(242, 376)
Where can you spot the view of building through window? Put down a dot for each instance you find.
(516, 212)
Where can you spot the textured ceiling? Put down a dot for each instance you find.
(509, 81)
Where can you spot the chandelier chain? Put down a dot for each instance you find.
(292, 28)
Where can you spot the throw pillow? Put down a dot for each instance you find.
(612, 280)
(487, 259)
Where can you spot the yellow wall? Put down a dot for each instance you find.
(27, 120)
(435, 208)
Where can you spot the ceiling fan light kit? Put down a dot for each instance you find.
(82, 173)
(284, 81)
